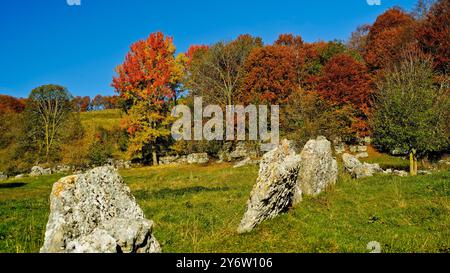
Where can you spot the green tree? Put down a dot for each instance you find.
(47, 112)
(411, 111)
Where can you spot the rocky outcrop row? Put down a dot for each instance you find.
(196, 158)
(359, 170)
(273, 192)
(38, 171)
(95, 212)
(241, 151)
(284, 177)
(246, 162)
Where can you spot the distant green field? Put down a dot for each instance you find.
(106, 118)
(198, 208)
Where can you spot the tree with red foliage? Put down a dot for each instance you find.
(147, 73)
(347, 82)
(81, 104)
(271, 75)
(289, 40)
(98, 102)
(111, 102)
(147, 79)
(85, 104)
(11, 104)
(389, 36)
(433, 35)
(193, 50)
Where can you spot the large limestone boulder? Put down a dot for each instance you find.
(358, 169)
(95, 212)
(318, 169)
(273, 191)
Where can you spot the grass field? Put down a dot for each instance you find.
(108, 119)
(198, 208)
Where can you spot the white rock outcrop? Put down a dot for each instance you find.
(273, 192)
(95, 212)
(318, 169)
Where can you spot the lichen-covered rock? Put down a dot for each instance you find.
(362, 155)
(95, 212)
(167, 160)
(273, 191)
(3, 176)
(400, 173)
(38, 171)
(358, 169)
(318, 169)
(61, 169)
(119, 163)
(339, 148)
(245, 162)
(362, 149)
(200, 158)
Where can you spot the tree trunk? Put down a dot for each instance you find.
(412, 163)
(415, 165)
(155, 158)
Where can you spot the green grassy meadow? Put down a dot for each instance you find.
(198, 208)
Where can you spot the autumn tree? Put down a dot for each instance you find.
(358, 39)
(270, 75)
(217, 73)
(10, 109)
(316, 57)
(346, 82)
(289, 40)
(194, 50)
(110, 102)
(146, 79)
(433, 35)
(411, 111)
(391, 34)
(11, 104)
(82, 104)
(98, 102)
(307, 116)
(422, 9)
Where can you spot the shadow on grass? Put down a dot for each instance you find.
(11, 185)
(172, 193)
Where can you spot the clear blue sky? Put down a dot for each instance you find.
(48, 41)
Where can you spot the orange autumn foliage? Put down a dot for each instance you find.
(392, 33)
(270, 75)
(347, 82)
(193, 50)
(433, 35)
(147, 72)
(11, 104)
